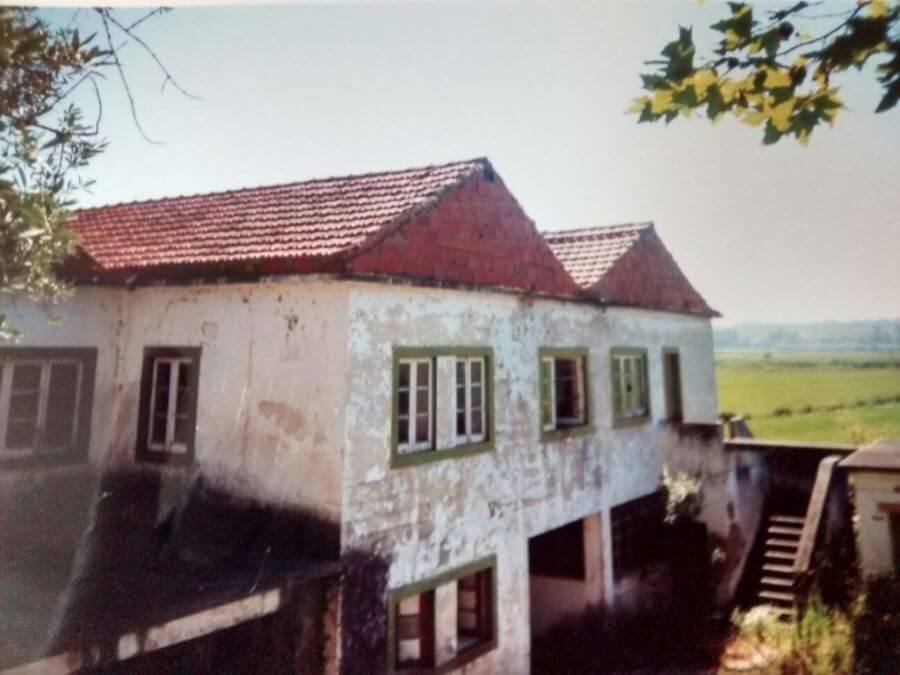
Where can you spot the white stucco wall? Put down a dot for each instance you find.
(273, 377)
(297, 374)
(437, 516)
(876, 493)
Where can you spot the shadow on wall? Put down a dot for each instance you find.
(86, 556)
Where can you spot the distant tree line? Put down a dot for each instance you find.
(883, 334)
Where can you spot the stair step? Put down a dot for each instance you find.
(782, 543)
(777, 581)
(781, 555)
(785, 531)
(777, 596)
(778, 569)
(787, 520)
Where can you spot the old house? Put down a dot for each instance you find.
(396, 372)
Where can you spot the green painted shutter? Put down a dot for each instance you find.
(546, 394)
(616, 386)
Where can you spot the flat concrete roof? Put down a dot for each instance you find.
(882, 455)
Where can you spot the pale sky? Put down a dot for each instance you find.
(781, 233)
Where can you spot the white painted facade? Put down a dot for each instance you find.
(877, 501)
(295, 395)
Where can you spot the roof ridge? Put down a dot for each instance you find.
(480, 161)
(597, 229)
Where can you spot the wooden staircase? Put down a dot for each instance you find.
(777, 584)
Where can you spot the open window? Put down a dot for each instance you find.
(45, 402)
(563, 391)
(414, 626)
(630, 386)
(474, 610)
(168, 414)
(424, 638)
(442, 403)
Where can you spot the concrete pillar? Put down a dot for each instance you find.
(593, 559)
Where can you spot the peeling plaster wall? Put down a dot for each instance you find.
(437, 516)
(272, 387)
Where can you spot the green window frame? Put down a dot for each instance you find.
(473, 401)
(486, 569)
(630, 385)
(569, 365)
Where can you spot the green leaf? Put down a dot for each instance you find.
(771, 135)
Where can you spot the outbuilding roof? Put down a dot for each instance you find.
(882, 455)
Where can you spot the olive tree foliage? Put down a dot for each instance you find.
(46, 140)
(776, 69)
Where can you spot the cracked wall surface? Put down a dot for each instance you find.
(440, 515)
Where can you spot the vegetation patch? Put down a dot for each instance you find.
(849, 397)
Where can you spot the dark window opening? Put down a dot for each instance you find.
(168, 412)
(559, 552)
(637, 533)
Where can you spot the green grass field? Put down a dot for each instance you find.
(843, 397)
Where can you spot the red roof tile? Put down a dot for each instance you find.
(627, 265)
(588, 253)
(316, 218)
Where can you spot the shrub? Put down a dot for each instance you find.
(684, 496)
(819, 643)
(782, 411)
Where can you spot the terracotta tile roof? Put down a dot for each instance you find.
(588, 253)
(316, 218)
(627, 265)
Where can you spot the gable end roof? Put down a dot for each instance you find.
(627, 265)
(315, 219)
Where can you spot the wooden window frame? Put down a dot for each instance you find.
(45, 357)
(426, 635)
(483, 589)
(649, 543)
(461, 449)
(630, 355)
(670, 387)
(429, 585)
(146, 450)
(553, 431)
(412, 413)
(468, 436)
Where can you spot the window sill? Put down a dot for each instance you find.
(462, 658)
(621, 422)
(399, 461)
(467, 656)
(565, 432)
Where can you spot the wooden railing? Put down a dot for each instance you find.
(814, 512)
